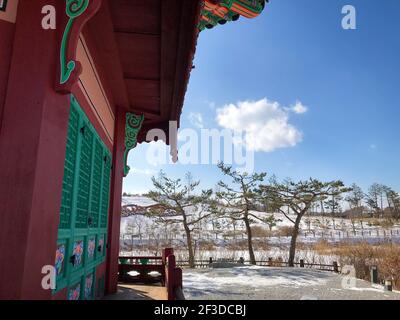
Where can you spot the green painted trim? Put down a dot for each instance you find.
(74, 8)
(133, 125)
(72, 275)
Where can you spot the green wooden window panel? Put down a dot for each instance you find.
(105, 192)
(96, 184)
(82, 234)
(85, 176)
(69, 170)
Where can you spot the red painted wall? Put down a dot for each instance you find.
(32, 153)
(6, 43)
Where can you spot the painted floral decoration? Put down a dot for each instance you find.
(75, 292)
(60, 257)
(101, 244)
(88, 286)
(78, 251)
(91, 247)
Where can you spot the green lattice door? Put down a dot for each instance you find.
(84, 208)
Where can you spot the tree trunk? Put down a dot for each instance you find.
(190, 246)
(250, 241)
(293, 241)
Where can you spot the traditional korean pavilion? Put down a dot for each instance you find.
(74, 101)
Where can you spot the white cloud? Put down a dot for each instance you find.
(265, 124)
(196, 119)
(299, 108)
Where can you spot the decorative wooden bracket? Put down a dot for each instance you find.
(78, 12)
(133, 125)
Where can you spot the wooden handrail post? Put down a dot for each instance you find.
(165, 253)
(374, 274)
(335, 267)
(171, 261)
(170, 276)
(388, 285)
(173, 279)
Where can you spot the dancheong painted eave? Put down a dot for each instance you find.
(221, 11)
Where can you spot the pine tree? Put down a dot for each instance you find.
(180, 205)
(299, 196)
(355, 196)
(238, 199)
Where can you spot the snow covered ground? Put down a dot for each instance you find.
(263, 283)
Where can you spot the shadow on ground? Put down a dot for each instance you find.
(138, 292)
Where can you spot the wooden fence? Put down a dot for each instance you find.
(334, 267)
(348, 234)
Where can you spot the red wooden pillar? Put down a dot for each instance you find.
(6, 41)
(115, 203)
(32, 154)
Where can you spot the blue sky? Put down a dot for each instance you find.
(297, 51)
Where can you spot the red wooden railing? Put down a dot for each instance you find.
(169, 274)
